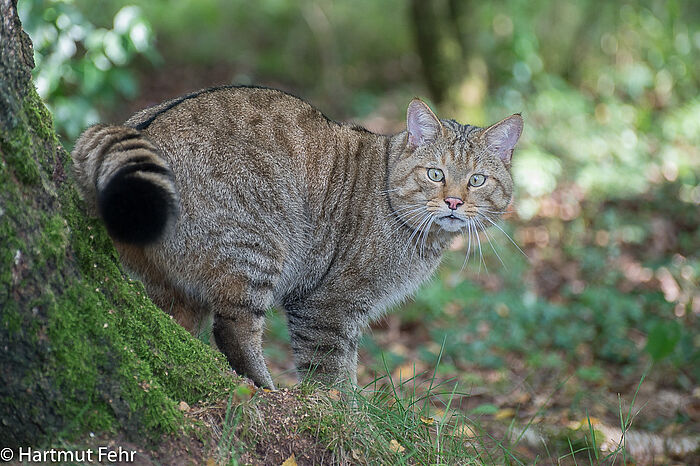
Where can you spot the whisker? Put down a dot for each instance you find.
(469, 244)
(483, 210)
(403, 208)
(408, 213)
(399, 218)
(418, 229)
(507, 236)
(403, 221)
(421, 218)
(481, 255)
(425, 236)
(488, 237)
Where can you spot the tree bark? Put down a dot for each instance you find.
(82, 349)
(435, 24)
(427, 35)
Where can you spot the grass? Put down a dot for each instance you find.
(406, 421)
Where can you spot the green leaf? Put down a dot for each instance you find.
(662, 339)
(484, 409)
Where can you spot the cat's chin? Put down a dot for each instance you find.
(451, 224)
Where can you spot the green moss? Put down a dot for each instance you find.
(38, 118)
(9, 241)
(53, 240)
(11, 318)
(151, 362)
(17, 148)
(33, 133)
(7, 255)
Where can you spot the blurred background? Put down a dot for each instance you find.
(604, 294)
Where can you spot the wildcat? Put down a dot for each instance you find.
(231, 200)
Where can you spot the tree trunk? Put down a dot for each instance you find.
(82, 349)
(444, 43)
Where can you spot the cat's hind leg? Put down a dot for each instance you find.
(238, 303)
(187, 309)
(239, 337)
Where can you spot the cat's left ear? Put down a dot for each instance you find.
(501, 137)
(422, 124)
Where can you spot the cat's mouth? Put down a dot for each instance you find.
(451, 222)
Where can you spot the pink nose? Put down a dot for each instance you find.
(453, 202)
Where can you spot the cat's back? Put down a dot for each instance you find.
(235, 132)
(257, 115)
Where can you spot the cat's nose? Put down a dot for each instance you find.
(453, 202)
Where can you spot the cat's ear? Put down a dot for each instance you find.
(501, 137)
(422, 124)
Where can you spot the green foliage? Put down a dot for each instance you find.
(663, 338)
(82, 68)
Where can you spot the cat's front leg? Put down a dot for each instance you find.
(324, 344)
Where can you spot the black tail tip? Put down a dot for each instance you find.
(136, 210)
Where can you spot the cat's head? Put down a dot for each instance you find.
(453, 176)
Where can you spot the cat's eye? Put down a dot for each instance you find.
(435, 174)
(477, 180)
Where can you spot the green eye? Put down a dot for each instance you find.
(435, 174)
(477, 180)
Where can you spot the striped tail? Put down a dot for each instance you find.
(126, 181)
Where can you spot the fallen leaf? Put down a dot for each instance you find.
(465, 431)
(291, 461)
(210, 461)
(522, 398)
(583, 423)
(504, 413)
(406, 371)
(428, 421)
(334, 394)
(245, 392)
(396, 447)
(184, 407)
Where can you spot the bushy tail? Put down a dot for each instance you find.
(126, 181)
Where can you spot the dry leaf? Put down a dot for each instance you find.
(210, 461)
(184, 407)
(405, 371)
(465, 431)
(522, 398)
(504, 413)
(334, 394)
(291, 461)
(583, 423)
(396, 447)
(428, 421)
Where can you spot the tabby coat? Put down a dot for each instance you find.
(231, 200)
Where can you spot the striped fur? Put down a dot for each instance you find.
(259, 200)
(126, 181)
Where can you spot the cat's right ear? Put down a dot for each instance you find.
(422, 124)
